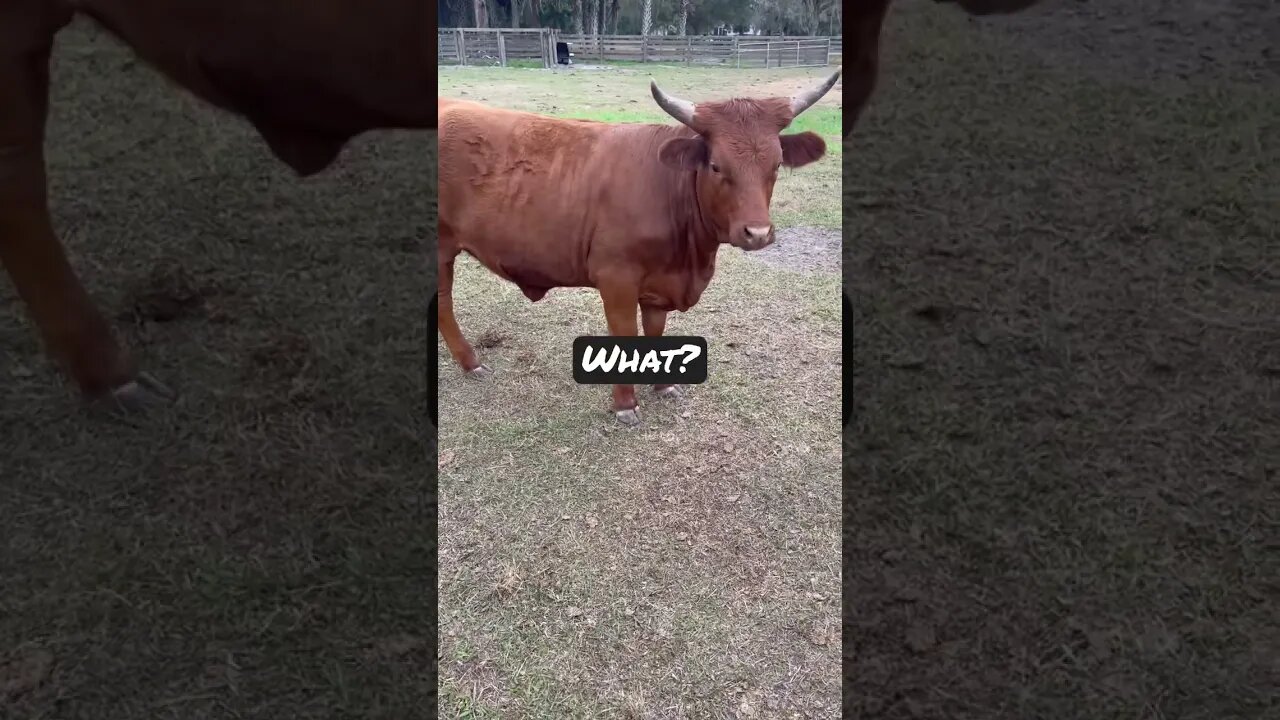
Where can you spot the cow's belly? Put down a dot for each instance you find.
(525, 243)
(672, 291)
(533, 266)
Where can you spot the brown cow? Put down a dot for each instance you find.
(309, 76)
(637, 211)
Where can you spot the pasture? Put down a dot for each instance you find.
(687, 568)
(1063, 247)
(228, 556)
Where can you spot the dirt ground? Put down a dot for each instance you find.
(1152, 40)
(1062, 242)
(228, 557)
(803, 248)
(683, 569)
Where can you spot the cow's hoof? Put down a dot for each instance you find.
(630, 418)
(139, 395)
(480, 372)
(669, 392)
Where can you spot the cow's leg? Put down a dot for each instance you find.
(861, 78)
(655, 322)
(621, 300)
(459, 348)
(75, 333)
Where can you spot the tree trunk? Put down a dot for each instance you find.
(577, 16)
(646, 20)
(617, 10)
(515, 14)
(481, 13)
(684, 16)
(593, 16)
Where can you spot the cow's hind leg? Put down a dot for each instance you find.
(655, 322)
(459, 348)
(75, 332)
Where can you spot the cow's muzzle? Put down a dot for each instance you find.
(755, 237)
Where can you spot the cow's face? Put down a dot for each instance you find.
(737, 155)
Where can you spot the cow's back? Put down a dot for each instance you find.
(518, 190)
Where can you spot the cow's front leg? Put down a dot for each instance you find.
(655, 322)
(621, 298)
(74, 331)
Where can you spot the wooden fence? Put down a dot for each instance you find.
(736, 50)
(499, 46)
(494, 46)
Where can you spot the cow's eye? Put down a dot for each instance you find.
(715, 168)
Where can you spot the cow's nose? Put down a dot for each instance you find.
(757, 234)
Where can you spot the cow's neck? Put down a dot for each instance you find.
(704, 234)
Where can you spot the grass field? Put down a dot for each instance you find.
(1063, 243)
(688, 568)
(228, 557)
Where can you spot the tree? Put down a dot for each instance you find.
(481, 13)
(609, 17)
(796, 17)
(684, 15)
(577, 16)
(646, 20)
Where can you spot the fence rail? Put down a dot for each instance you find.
(737, 51)
(494, 46)
(498, 46)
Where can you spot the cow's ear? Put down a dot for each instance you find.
(684, 153)
(802, 148)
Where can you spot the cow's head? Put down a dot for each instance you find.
(737, 154)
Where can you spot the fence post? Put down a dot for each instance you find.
(688, 49)
(797, 53)
(462, 48)
(768, 45)
(502, 49)
(828, 50)
(737, 53)
(644, 48)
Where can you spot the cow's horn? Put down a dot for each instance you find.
(677, 108)
(804, 100)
